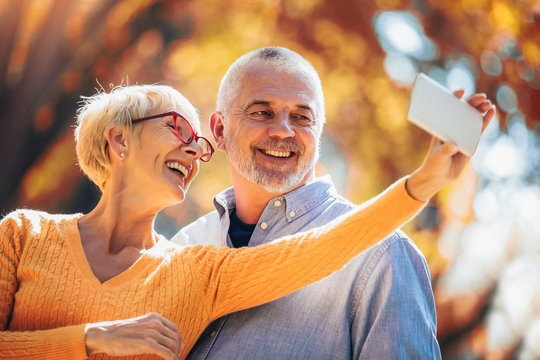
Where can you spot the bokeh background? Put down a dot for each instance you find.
(481, 236)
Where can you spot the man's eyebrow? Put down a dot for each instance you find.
(265, 102)
(258, 102)
(305, 107)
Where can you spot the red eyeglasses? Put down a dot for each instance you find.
(184, 132)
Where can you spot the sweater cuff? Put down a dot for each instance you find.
(402, 183)
(401, 201)
(69, 342)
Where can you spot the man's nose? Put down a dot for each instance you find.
(281, 126)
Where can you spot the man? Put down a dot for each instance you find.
(269, 119)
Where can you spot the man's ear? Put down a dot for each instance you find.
(118, 141)
(217, 127)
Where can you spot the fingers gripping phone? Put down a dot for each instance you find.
(435, 109)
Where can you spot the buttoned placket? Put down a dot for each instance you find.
(272, 216)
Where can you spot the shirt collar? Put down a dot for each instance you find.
(298, 201)
(224, 201)
(302, 200)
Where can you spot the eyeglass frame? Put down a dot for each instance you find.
(193, 136)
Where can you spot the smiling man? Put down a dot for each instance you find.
(269, 120)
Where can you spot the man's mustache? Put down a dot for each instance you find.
(283, 144)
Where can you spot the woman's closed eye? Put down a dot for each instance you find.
(172, 128)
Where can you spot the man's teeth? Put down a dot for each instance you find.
(177, 166)
(277, 153)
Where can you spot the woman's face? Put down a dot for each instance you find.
(159, 167)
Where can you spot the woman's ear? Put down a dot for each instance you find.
(217, 127)
(118, 142)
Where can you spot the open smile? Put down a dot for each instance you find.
(177, 168)
(277, 153)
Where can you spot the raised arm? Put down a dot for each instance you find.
(236, 279)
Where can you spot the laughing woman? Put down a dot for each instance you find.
(106, 284)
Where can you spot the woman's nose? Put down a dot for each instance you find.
(193, 149)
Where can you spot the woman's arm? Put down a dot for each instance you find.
(60, 343)
(237, 279)
(242, 278)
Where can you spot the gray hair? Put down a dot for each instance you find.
(282, 59)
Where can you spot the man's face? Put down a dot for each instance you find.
(273, 128)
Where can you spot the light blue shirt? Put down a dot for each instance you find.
(380, 306)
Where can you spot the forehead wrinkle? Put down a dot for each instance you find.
(305, 107)
(267, 102)
(260, 102)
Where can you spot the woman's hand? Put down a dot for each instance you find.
(444, 163)
(147, 334)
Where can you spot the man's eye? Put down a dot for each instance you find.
(260, 113)
(302, 119)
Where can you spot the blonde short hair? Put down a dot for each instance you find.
(118, 107)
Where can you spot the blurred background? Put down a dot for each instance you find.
(481, 236)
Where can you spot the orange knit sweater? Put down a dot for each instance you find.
(48, 291)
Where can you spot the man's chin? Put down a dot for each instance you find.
(275, 180)
(277, 183)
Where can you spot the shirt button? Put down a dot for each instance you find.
(292, 214)
(264, 226)
(277, 203)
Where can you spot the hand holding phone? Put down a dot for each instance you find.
(458, 123)
(435, 109)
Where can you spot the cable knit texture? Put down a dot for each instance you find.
(48, 291)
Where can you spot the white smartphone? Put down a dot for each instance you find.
(436, 110)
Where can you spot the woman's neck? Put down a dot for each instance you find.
(119, 220)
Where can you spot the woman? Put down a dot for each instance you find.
(66, 280)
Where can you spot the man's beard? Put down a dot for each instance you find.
(273, 179)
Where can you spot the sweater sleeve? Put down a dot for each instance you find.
(60, 343)
(236, 279)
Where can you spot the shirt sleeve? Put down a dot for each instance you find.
(60, 343)
(236, 279)
(393, 310)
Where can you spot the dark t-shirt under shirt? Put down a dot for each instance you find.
(239, 231)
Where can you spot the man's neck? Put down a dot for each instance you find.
(252, 199)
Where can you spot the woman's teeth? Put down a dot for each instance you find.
(178, 167)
